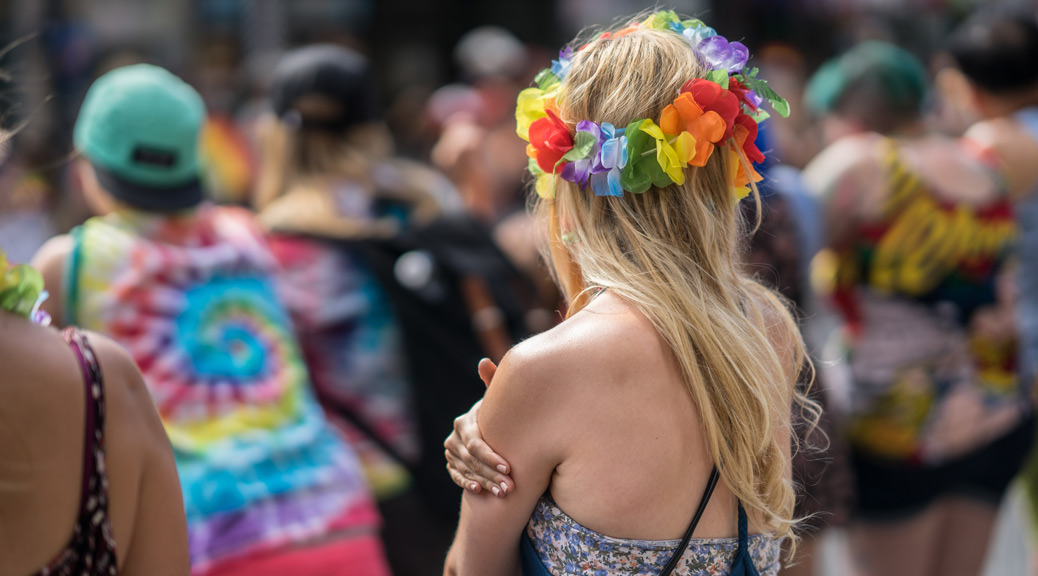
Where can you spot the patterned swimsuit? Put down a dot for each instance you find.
(566, 547)
(91, 552)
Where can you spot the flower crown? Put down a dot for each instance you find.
(722, 110)
(21, 291)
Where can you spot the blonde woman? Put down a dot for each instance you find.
(660, 409)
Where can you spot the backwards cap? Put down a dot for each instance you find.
(139, 127)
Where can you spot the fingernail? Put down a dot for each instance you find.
(473, 486)
(495, 491)
(504, 487)
(502, 468)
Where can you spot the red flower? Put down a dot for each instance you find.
(745, 133)
(712, 98)
(549, 141)
(742, 93)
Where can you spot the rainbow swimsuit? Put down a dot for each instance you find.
(192, 298)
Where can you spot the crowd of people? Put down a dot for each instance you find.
(668, 321)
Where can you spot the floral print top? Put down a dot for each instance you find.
(566, 547)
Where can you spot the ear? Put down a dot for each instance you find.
(97, 199)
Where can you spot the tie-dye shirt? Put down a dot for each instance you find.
(191, 297)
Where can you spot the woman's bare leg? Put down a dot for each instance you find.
(908, 547)
(966, 530)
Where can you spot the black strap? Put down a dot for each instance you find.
(710, 484)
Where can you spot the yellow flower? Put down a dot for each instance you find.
(544, 186)
(7, 278)
(672, 156)
(531, 105)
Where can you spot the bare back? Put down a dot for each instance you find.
(632, 456)
(854, 175)
(42, 414)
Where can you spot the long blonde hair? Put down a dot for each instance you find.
(294, 157)
(674, 254)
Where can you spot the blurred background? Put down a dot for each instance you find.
(481, 50)
(447, 74)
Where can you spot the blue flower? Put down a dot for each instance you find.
(561, 66)
(609, 164)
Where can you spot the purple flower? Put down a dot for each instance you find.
(610, 162)
(579, 171)
(721, 54)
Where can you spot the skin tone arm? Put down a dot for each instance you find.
(51, 260)
(157, 543)
(470, 461)
(520, 415)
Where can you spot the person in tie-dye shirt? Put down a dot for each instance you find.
(187, 288)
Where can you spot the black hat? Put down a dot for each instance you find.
(327, 70)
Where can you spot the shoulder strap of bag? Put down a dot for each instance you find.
(710, 485)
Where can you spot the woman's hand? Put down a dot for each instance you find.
(471, 463)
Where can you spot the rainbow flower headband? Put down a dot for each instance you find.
(722, 110)
(21, 291)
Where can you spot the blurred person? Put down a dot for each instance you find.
(997, 54)
(918, 230)
(666, 336)
(86, 467)
(269, 487)
(365, 241)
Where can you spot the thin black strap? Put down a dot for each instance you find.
(710, 484)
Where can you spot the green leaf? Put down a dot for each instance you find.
(764, 91)
(719, 77)
(545, 79)
(581, 148)
(534, 168)
(759, 115)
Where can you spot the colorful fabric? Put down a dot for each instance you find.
(191, 297)
(566, 547)
(933, 346)
(92, 548)
(354, 348)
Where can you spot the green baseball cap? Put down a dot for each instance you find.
(139, 127)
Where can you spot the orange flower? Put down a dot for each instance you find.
(685, 115)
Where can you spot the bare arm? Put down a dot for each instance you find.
(151, 530)
(470, 462)
(52, 260)
(519, 415)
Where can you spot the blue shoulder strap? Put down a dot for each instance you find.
(743, 565)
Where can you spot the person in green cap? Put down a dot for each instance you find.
(269, 486)
(918, 228)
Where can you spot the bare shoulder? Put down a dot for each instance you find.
(52, 261)
(548, 377)
(995, 132)
(849, 155)
(129, 403)
(608, 335)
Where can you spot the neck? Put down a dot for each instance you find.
(1000, 105)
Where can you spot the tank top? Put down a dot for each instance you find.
(934, 352)
(555, 544)
(1027, 256)
(191, 298)
(91, 551)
